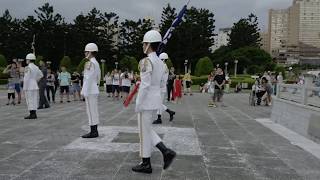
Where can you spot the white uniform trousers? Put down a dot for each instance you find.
(148, 137)
(92, 109)
(32, 99)
(159, 112)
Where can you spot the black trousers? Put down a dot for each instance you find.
(43, 100)
(169, 89)
(259, 96)
(53, 92)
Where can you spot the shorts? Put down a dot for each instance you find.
(115, 88)
(188, 84)
(126, 89)
(218, 93)
(109, 88)
(269, 91)
(17, 87)
(76, 88)
(11, 95)
(64, 89)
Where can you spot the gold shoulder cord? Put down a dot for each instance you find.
(145, 64)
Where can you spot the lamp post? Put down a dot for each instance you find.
(102, 66)
(116, 63)
(226, 67)
(186, 66)
(64, 42)
(235, 68)
(48, 63)
(33, 44)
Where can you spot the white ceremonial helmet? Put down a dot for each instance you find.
(91, 47)
(31, 57)
(163, 56)
(152, 36)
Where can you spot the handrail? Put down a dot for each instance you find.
(302, 96)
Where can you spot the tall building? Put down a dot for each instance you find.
(295, 32)
(278, 30)
(265, 41)
(222, 38)
(305, 23)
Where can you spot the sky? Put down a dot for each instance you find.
(226, 12)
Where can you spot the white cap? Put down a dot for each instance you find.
(163, 56)
(91, 47)
(30, 56)
(152, 36)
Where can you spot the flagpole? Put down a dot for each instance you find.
(188, 2)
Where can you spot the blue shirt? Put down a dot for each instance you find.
(64, 78)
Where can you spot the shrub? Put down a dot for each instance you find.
(66, 62)
(204, 66)
(3, 61)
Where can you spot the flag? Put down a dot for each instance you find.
(174, 24)
(131, 95)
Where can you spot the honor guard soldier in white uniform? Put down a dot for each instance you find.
(32, 75)
(164, 57)
(90, 89)
(148, 101)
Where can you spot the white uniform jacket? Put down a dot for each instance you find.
(151, 74)
(32, 75)
(91, 80)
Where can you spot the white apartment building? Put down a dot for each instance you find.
(222, 38)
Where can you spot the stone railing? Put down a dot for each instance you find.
(305, 94)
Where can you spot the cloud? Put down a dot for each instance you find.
(226, 11)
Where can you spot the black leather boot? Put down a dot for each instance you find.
(158, 121)
(143, 167)
(33, 115)
(171, 113)
(168, 155)
(93, 132)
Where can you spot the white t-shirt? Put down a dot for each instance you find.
(280, 79)
(126, 82)
(108, 80)
(116, 79)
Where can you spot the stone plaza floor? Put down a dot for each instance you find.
(222, 143)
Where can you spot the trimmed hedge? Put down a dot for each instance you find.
(199, 80)
(234, 81)
(3, 81)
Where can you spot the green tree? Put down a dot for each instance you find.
(3, 61)
(167, 17)
(80, 67)
(66, 62)
(134, 65)
(131, 35)
(250, 56)
(190, 40)
(51, 32)
(245, 33)
(129, 62)
(169, 63)
(204, 66)
(38, 59)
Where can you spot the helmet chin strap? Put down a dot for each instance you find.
(88, 56)
(146, 50)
